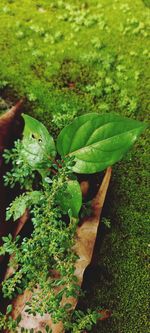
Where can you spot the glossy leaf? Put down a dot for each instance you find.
(38, 144)
(71, 199)
(98, 141)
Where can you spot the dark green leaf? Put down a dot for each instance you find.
(18, 319)
(98, 141)
(71, 198)
(38, 144)
(47, 329)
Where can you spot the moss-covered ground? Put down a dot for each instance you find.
(73, 57)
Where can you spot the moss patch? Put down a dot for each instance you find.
(122, 275)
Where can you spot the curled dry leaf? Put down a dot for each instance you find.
(105, 314)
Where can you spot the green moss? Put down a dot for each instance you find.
(122, 284)
(79, 56)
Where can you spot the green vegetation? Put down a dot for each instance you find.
(122, 285)
(47, 181)
(73, 57)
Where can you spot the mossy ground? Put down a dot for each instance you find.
(73, 57)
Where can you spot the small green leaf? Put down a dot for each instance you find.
(47, 329)
(9, 309)
(39, 146)
(98, 141)
(71, 198)
(18, 319)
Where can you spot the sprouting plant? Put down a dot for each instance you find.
(83, 321)
(47, 176)
(106, 222)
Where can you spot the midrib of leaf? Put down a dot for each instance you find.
(94, 144)
(90, 131)
(31, 153)
(76, 133)
(104, 126)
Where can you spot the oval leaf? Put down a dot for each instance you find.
(39, 146)
(71, 199)
(98, 141)
(9, 309)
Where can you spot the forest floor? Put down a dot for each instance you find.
(73, 57)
